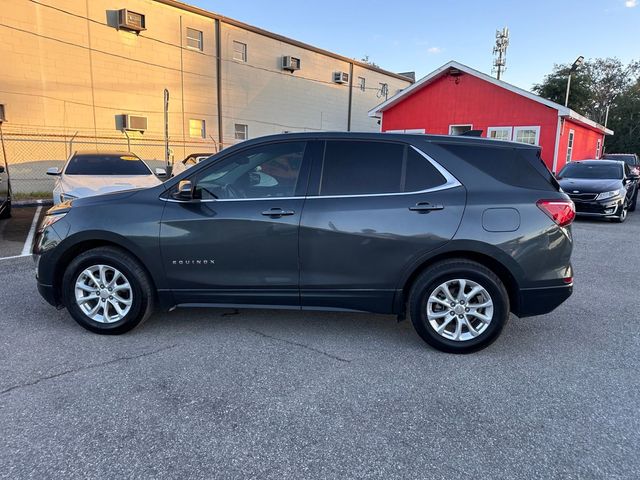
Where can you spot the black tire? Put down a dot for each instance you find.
(634, 202)
(6, 213)
(142, 291)
(622, 214)
(426, 285)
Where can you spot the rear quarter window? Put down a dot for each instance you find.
(517, 167)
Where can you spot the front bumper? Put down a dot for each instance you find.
(539, 301)
(598, 208)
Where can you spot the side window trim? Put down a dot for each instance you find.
(450, 180)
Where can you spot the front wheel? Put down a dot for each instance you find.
(459, 306)
(107, 291)
(622, 214)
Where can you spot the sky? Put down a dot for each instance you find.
(422, 35)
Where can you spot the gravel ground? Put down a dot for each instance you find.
(283, 394)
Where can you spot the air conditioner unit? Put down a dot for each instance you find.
(290, 63)
(134, 122)
(340, 77)
(129, 20)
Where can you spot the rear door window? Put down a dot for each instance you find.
(369, 168)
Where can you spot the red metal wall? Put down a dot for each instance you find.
(584, 142)
(468, 99)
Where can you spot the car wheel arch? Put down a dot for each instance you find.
(484, 258)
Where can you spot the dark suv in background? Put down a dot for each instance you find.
(456, 232)
(5, 191)
(630, 159)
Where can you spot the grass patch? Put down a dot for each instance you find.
(18, 196)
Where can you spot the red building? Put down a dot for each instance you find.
(455, 98)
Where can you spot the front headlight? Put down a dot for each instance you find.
(49, 220)
(605, 195)
(65, 197)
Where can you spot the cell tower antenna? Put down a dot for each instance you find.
(500, 52)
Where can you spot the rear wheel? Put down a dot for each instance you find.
(459, 306)
(107, 291)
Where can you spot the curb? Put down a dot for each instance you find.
(31, 203)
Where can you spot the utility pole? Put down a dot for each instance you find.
(500, 52)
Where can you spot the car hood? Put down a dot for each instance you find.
(89, 185)
(584, 185)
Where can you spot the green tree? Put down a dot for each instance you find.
(554, 88)
(624, 120)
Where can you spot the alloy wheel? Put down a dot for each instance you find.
(459, 309)
(103, 293)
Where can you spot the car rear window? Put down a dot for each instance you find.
(519, 167)
(100, 164)
(362, 167)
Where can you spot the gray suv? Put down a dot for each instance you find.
(455, 232)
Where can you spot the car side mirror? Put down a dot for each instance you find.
(53, 171)
(160, 172)
(185, 190)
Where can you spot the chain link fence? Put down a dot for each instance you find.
(29, 153)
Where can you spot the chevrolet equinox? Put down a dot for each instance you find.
(456, 232)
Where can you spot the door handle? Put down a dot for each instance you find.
(426, 207)
(277, 212)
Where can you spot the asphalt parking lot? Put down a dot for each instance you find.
(282, 394)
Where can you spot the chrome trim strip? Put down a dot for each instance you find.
(451, 182)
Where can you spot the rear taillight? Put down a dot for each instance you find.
(560, 211)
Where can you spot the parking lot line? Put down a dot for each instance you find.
(26, 250)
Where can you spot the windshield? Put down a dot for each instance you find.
(106, 164)
(595, 171)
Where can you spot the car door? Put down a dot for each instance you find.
(236, 241)
(374, 208)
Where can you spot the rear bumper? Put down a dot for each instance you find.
(538, 301)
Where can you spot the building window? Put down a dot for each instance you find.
(197, 128)
(194, 38)
(499, 133)
(570, 145)
(362, 83)
(459, 129)
(598, 148)
(529, 135)
(239, 51)
(241, 131)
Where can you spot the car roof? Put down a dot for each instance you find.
(595, 162)
(405, 137)
(104, 152)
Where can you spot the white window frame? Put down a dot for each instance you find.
(245, 131)
(242, 55)
(203, 128)
(362, 84)
(570, 141)
(470, 125)
(408, 130)
(598, 148)
(497, 129)
(536, 128)
(199, 39)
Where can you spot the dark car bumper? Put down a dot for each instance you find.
(538, 301)
(598, 208)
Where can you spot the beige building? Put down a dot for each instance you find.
(80, 73)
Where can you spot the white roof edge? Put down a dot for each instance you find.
(562, 110)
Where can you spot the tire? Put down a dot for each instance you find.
(6, 213)
(132, 291)
(622, 215)
(634, 202)
(429, 284)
